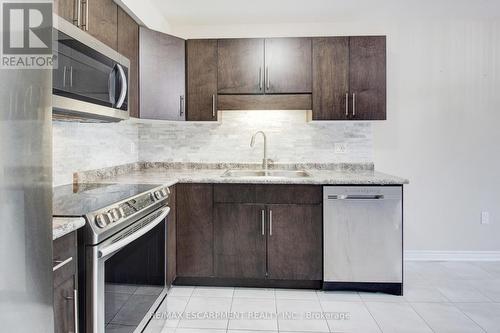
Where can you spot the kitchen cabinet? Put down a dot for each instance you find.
(288, 65)
(240, 241)
(161, 75)
(65, 284)
(367, 77)
(294, 246)
(172, 237)
(201, 76)
(349, 78)
(240, 66)
(128, 45)
(67, 9)
(269, 232)
(194, 230)
(101, 20)
(331, 78)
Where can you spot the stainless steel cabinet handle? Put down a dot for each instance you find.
(347, 104)
(268, 80)
(356, 197)
(260, 78)
(213, 106)
(354, 104)
(64, 76)
(61, 263)
(263, 222)
(85, 26)
(77, 12)
(270, 222)
(74, 298)
(181, 105)
(71, 76)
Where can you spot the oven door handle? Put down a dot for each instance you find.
(129, 239)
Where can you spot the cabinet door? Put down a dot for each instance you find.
(128, 45)
(195, 238)
(330, 66)
(172, 237)
(161, 72)
(66, 9)
(367, 77)
(288, 65)
(295, 242)
(64, 307)
(240, 241)
(240, 66)
(201, 75)
(101, 21)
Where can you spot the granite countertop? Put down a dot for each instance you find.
(171, 175)
(64, 225)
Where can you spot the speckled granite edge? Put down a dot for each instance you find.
(96, 175)
(64, 225)
(272, 166)
(112, 172)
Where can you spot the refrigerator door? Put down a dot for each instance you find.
(26, 296)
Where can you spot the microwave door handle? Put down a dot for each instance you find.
(129, 239)
(123, 89)
(111, 86)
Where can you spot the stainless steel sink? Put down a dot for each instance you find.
(268, 173)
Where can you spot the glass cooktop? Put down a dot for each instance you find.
(81, 199)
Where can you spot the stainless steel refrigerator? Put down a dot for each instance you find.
(26, 201)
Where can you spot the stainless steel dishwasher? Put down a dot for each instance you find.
(363, 238)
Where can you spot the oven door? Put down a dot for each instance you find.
(128, 279)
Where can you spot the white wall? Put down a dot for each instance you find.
(443, 121)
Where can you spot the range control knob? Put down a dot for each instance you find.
(158, 195)
(101, 221)
(164, 191)
(115, 213)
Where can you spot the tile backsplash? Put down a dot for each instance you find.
(290, 138)
(87, 146)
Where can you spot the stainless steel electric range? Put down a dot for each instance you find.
(122, 252)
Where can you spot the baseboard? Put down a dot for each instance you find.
(452, 255)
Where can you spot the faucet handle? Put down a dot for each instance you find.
(270, 161)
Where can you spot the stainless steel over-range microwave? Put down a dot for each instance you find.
(90, 80)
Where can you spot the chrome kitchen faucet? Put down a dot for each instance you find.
(252, 144)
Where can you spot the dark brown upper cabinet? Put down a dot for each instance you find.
(201, 76)
(101, 21)
(349, 78)
(98, 18)
(128, 45)
(331, 78)
(240, 66)
(367, 77)
(161, 75)
(288, 65)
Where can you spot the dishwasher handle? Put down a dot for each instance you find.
(356, 197)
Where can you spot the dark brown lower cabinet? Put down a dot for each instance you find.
(294, 242)
(240, 241)
(172, 237)
(65, 283)
(194, 230)
(64, 309)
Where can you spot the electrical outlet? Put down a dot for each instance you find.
(485, 218)
(340, 148)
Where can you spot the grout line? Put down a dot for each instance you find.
(421, 317)
(371, 314)
(465, 314)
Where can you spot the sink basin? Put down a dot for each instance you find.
(268, 173)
